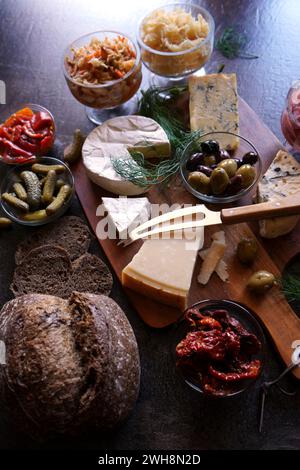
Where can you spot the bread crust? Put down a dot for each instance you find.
(71, 365)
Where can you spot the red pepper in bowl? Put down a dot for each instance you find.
(26, 134)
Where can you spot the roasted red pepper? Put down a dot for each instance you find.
(217, 351)
(26, 135)
(40, 121)
(13, 149)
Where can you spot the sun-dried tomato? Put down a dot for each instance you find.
(218, 351)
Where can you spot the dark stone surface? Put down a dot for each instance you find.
(168, 414)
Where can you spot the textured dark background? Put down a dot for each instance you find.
(168, 415)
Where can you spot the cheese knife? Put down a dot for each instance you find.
(289, 205)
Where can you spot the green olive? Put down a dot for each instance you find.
(229, 165)
(247, 250)
(219, 181)
(261, 281)
(199, 181)
(209, 160)
(248, 175)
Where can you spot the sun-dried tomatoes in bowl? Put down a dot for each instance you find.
(219, 347)
(26, 135)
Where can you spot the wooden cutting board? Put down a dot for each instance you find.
(272, 309)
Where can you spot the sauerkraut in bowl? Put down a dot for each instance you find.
(103, 69)
(176, 39)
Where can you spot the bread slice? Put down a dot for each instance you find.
(44, 270)
(48, 270)
(69, 232)
(282, 179)
(90, 274)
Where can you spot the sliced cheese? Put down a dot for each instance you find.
(115, 139)
(214, 254)
(214, 106)
(221, 268)
(282, 179)
(125, 214)
(163, 269)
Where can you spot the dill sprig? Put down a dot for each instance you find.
(290, 285)
(144, 173)
(232, 44)
(155, 103)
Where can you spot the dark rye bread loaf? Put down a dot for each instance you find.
(69, 232)
(71, 365)
(47, 269)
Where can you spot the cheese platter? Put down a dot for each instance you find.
(272, 309)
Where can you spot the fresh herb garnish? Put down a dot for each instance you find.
(232, 44)
(156, 103)
(291, 287)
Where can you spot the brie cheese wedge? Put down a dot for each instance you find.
(115, 139)
(125, 214)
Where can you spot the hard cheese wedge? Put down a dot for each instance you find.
(213, 257)
(282, 179)
(163, 269)
(214, 106)
(114, 140)
(125, 214)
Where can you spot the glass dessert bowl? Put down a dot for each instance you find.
(103, 72)
(176, 40)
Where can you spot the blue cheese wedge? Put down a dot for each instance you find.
(125, 214)
(214, 106)
(282, 179)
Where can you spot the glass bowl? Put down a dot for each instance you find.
(12, 177)
(109, 95)
(177, 65)
(36, 108)
(247, 320)
(244, 146)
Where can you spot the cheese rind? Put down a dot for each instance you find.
(125, 214)
(163, 269)
(114, 139)
(214, 106)
(281, 179)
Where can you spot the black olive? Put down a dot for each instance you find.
(223, 155)
(239, 162)
(195, 160)
(250, 158)
(210, 147)
(235, 185)
(204, 169)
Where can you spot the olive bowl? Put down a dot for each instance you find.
(246, 318)
(244, 147)
(12, 176)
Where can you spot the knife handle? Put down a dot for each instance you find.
(287, 206)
